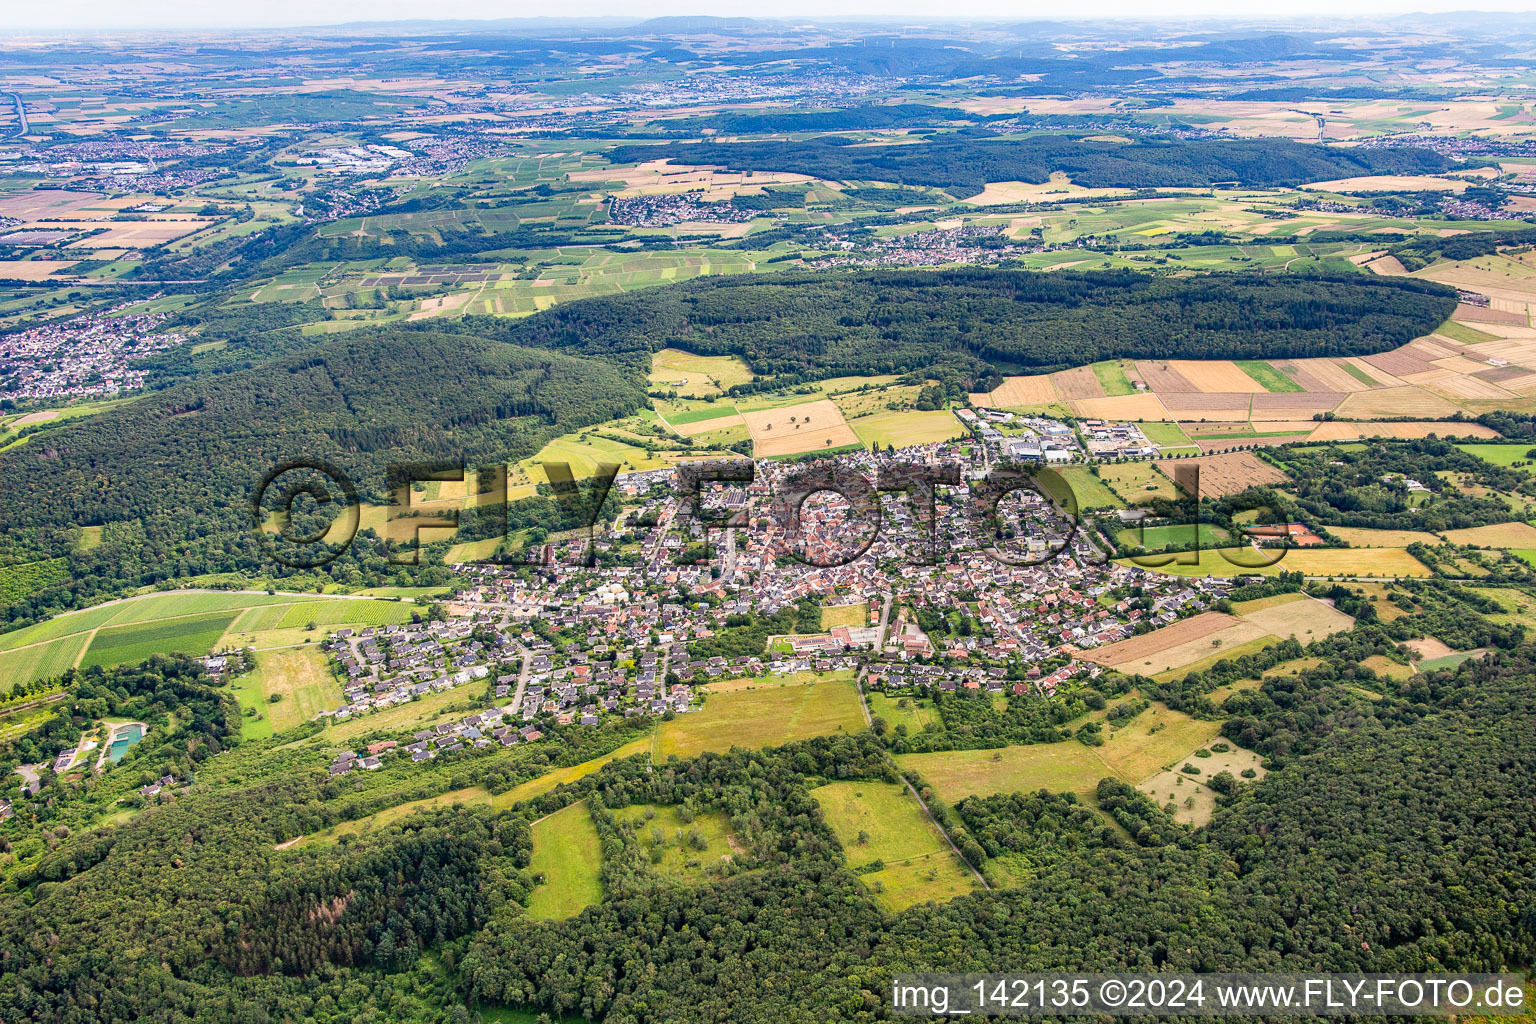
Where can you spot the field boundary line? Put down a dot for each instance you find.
(864, 706)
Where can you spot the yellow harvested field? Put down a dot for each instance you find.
(1228, 473)
(31, 270)
(1207, 645)
(1138, 647)
(1306, 620)
(1329, 374)
(1461, 364)
(697, 427)
(1391, 183)
(141, 234)
(1376, 373)
(1358, 537)
(1500, 535)
(1350, 562)
(1199, 407)
(46, 204)
(816, 426)
(1216, 376)
(1452, 384)
(1033, 390)
(1395, 401)
(998, 193)
(1429, 647)
(656, 177)
(1122, 407)
(1340, 430)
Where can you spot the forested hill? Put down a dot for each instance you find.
(980, 322)
(171, 474)
(964, 166)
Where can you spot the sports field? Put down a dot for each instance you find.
(568, 859)
(880, 821)
(769, 714)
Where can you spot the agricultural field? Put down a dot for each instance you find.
(1359, 537)
(1228, 473)
(1157, 538)
(766, 715)
(567, 861)
(1325, 562)
(122, 645)
(1019, 392)
(42, 660)
(1168, 436)
(1077, 483)
(805, 427)
(1506, 455)
(1499, 535)
(1138, 482)
(1173, 645)
(881, 822)
(1304, 618)
(904, 429)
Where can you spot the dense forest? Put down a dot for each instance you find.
(963, 166)
(187, 912)
(170, 475)
(982, 322)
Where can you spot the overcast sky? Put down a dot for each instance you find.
(113, 14)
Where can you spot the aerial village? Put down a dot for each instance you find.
(628, 623)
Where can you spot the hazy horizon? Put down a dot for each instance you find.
(99, 16)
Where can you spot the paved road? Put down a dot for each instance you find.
(885, 619)
(22, 126)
